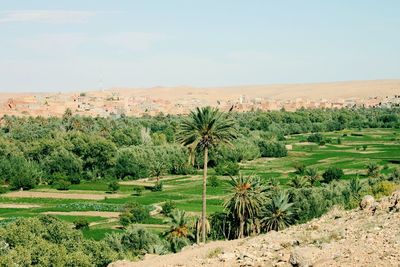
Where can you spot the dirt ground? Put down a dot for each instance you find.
(105, 214)
(18, 206)
(33, 194)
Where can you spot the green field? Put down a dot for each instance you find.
(380, 145)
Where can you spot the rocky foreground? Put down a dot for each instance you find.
(368, 236)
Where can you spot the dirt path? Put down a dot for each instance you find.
(18, 206)
(104, 214)
(63, 195)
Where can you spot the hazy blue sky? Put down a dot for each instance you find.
(75, 44)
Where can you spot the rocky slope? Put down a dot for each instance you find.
(369, 236)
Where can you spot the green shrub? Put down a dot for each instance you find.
(63, 185)
(315, 138)
(113, 186)
(75, 180)
(213, 181)
(3, 189)
(167, 207)
(134, 213)
(300, 168)
(157, 187)
(332, 173)
(81, 223)
(138, 190)
(227, 168)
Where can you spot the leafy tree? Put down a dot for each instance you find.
(20, 173)
(245, 201)
(278, 213)
(204, 129)
(315, 138)
(272, 149)
(62, 162)
(134, 162)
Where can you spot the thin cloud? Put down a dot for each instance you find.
(46, 16)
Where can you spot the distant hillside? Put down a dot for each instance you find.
(179, 100)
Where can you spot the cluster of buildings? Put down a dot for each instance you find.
(115, 104)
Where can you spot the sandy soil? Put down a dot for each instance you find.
(33, 194)
(312, 91)
(18, 206)
(105, 214)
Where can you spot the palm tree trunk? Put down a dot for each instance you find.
(241, 228)
(203, 211)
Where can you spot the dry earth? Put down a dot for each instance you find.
(33, 194)
(105, 214)
(364, 237)
(18, 206)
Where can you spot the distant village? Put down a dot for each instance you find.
(114, 104)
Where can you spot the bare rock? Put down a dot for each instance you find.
(226, 256)
(395, 201)
(368, 203)
(301, 257)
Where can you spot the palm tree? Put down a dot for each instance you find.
(278, 213)
(203, 129)
(312, 175)
(248, 194)
(179, 231)
(299, 182)
(355, 188)
(372, 169)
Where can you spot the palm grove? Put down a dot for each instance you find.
(58, 152)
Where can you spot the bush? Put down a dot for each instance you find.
(227, 168)
(134, 213)
(167, 207)
(3, 189)
(63, 185)
(81, 223)
(75, 180)
(113, 186)
(138, 190)
(332, 173)
(300, 168)
(213, 181)
(157, 187)
(272, 149)
(315, 138)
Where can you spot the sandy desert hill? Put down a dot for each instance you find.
(179, 100)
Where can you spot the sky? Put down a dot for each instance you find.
(72, 45)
